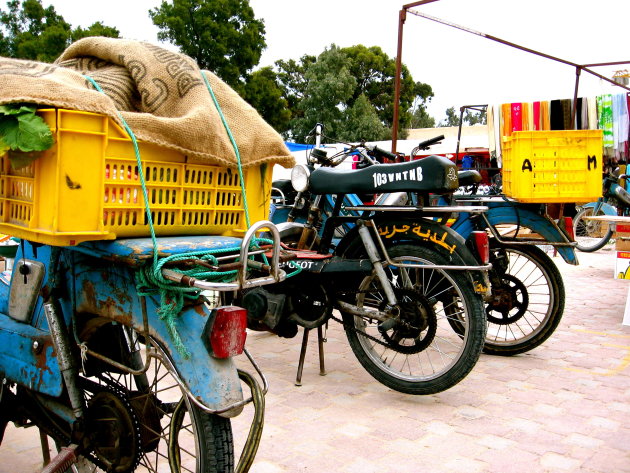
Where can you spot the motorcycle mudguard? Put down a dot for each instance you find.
(109, 290)
(604, 207)
(441, 238)
(506, 214)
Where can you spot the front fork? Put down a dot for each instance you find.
(377, 262)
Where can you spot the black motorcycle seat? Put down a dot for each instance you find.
(468, 177)
(435, 174)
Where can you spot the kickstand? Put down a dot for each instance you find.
(43, 438)
(320, 345)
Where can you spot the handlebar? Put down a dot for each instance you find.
(370, 154)
(381, 153)
(426, 143)
(611, 178)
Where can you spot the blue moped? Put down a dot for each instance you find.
(123, 372)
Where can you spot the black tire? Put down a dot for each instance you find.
(527, 309)
(162, 414)
(591, 235)
(427, 356)
(217, 436)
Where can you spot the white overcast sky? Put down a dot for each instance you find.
(462, 68)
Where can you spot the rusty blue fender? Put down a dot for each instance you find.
(92, 285)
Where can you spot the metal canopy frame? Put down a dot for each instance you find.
(402, 17)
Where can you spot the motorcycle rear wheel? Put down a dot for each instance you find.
(526, 311)
(174, 432)
(425, 355)
(591, 235)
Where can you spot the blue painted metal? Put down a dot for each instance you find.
(510, 213)
(22, 362)
(603, 206)
(110, 292)
(4, 294)
(137, 251)
(95, 287)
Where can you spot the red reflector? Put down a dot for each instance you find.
(568, 227)
(227, 337)
(482, 245)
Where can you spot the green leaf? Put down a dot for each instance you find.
(34, 134)
(22, 130)
(16, 109)
(21, 159)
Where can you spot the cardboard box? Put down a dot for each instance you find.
(622, 237)
(622, 242)
(622, 265)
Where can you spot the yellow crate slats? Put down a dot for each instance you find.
(87, 187)
(561, 166)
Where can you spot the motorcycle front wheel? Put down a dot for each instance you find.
(145, 423)
(418, 352)
(528, 303)
(591, 235)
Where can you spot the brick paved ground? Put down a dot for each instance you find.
(564, 407)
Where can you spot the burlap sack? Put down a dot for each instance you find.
(161, 95)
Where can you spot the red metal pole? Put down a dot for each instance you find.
(402, 16)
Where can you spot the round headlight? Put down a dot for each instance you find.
(299, 177)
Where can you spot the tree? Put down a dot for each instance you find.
(291, 77)
(375, 73)
(452, 118)
(29, 30)
(363, 122)
(262, 92)
(475, 117)
(471, 117)
(221, 35)
(348, 89)
(329, 86)
(96, 29)
(420, 118)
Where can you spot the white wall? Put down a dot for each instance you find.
(471, 137)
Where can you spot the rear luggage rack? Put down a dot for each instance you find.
(274, 273)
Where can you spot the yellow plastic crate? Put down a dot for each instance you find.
(87, 187)
(559, 166)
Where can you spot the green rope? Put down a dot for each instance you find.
(150, 279)
(240, 168)
(234, 145)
